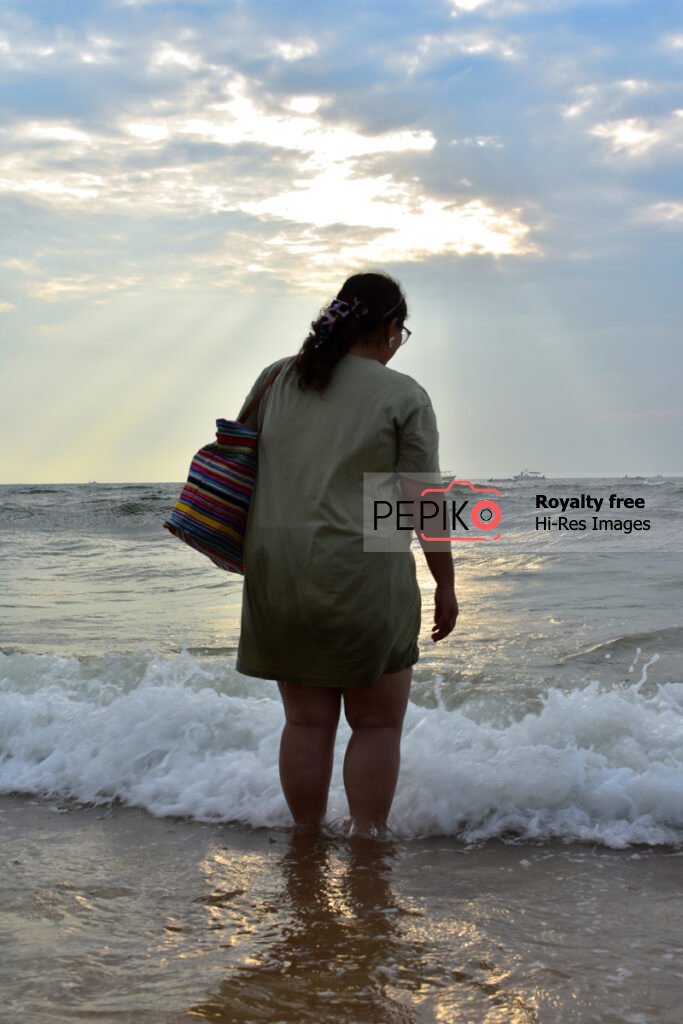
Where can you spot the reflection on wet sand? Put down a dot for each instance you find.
(337, 950)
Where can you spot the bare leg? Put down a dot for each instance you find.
(307, 748)
(373, 755)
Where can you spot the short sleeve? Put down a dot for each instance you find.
(418, 441)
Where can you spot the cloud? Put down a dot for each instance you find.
(24, 50)
(495, 8)
(286, 166)
(466, 6)
(80, 286)
(376, 140)
(295, 51)
(478, 140)
(635, 137)
(22, 266)
(517, 8)
(430, 50)
(5, 307)
(168, 55)
(629, 116)
(609, 97)
(665, 213)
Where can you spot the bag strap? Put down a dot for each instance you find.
(254, 403)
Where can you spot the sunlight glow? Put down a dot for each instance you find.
(410, 224)
(241, 119)
(304, 104)
(331, 181)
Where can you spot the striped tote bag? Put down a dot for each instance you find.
(211, 513)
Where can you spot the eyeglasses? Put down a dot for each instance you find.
(405, 334)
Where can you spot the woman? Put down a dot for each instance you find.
(331, 622)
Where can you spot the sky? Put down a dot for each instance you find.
(183, 185)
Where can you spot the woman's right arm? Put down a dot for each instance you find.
(445, 602)
(439, 557)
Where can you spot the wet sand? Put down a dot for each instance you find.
(111, 915)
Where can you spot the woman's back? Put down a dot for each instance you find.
(343, 613)
(315, 447)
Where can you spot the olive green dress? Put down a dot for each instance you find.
(317, 608)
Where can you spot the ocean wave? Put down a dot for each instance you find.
(133, 508)
(669, 638)
(184, 738)
(33, 489)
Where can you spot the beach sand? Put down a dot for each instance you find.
(111, 915)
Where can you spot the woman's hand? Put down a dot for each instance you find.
(445, 611)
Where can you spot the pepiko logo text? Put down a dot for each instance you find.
(615, 503)
(440, 508)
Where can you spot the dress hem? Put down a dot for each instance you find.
(316, 680)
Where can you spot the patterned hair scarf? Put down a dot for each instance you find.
(337, 310)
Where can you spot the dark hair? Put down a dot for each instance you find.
(368, 301)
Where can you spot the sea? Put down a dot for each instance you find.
(534, 866)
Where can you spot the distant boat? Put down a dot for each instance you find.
(529, 474)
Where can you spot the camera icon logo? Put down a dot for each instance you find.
(484, 515)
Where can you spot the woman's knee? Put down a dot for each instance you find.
(311, 706)
(380, 706)
(374, 718)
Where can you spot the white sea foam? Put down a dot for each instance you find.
(179, 737)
